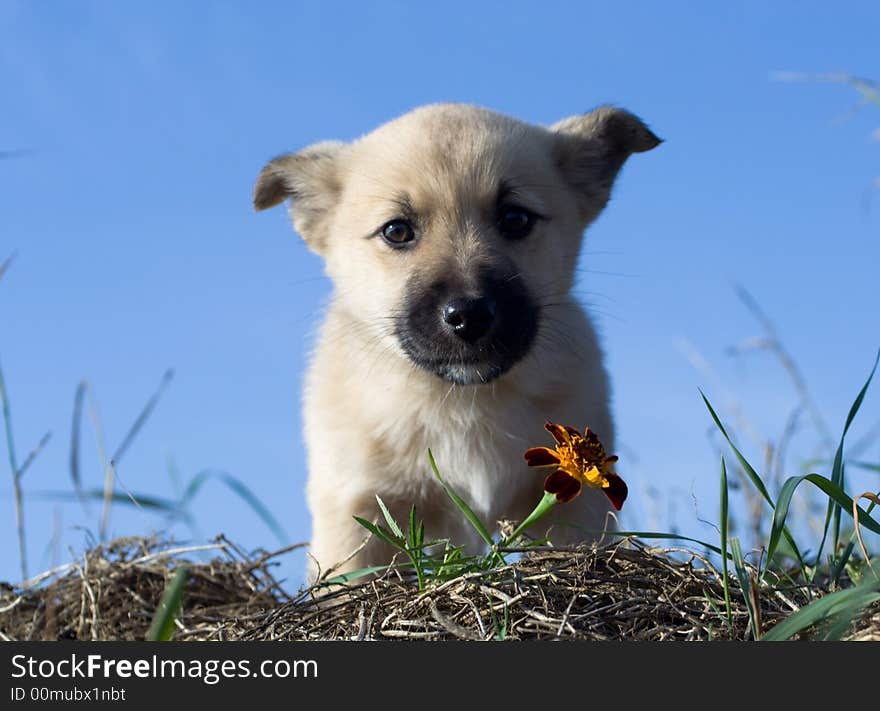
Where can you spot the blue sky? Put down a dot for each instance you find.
(145, 126)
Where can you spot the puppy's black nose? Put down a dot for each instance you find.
(470, 319)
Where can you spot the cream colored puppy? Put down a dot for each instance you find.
(451, 236)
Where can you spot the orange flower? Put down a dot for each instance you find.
(578, 459)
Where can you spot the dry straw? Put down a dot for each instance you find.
(624, 591)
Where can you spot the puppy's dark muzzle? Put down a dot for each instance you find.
(470, 319)
(468, 334)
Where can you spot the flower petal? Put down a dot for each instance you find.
(541, 457)
(558, 431)
(616, 490)
(572, 432)
(565, 486)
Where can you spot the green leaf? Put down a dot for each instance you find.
(6, 263)
(142, 417)
(237, 487)
(389, 519)
(413, 531)
(755, 479)
(724, 532)
(433, 542)
(867, 466)
(343, 578)
(162, 627)
(502, 632)
(462, 505)
(832, 514)
(399, 543)
(745, 584)
(381, 533)
(657, 535)
(834, 493)
(143, 501)
(842, 560)
(845, 603)
(75, 476)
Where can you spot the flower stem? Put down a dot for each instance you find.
(544, 505)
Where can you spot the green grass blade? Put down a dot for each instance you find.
(472, 518)
(745, 584)
(417, 566)
(843, 559)
(244, 493)
(843, 602)
(389, 519)
(398, 542)
(656, 535)
(162, 627)
(502, 633)
(144, 415)
(840, 623)
(755, 478)
(724, 532)
(868, 466)
(499, 631)
(840, 562)
(413, 532)
(434, 542)
(33, 454)
(833, 492)
(414, 549)
(381, 533)
(7, 426)
(145, 501)
(157, 504)
(6, 264)
(839, 478)
(832, 514)
(18, 494)
(343, 578)
(75, 475)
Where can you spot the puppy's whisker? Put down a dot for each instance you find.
(446, 396)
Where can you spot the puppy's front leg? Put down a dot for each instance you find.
(339, 543)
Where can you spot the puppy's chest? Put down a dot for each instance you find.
(478, 451)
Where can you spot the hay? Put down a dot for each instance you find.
(609, 593)
(111, 593)
(619, 592)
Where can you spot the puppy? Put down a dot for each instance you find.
(451, 236)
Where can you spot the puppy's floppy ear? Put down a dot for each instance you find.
(311, 180)
(592, 148)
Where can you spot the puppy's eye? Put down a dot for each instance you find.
(515, 222)
(398, 232)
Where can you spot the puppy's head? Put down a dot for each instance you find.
(449, 231)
